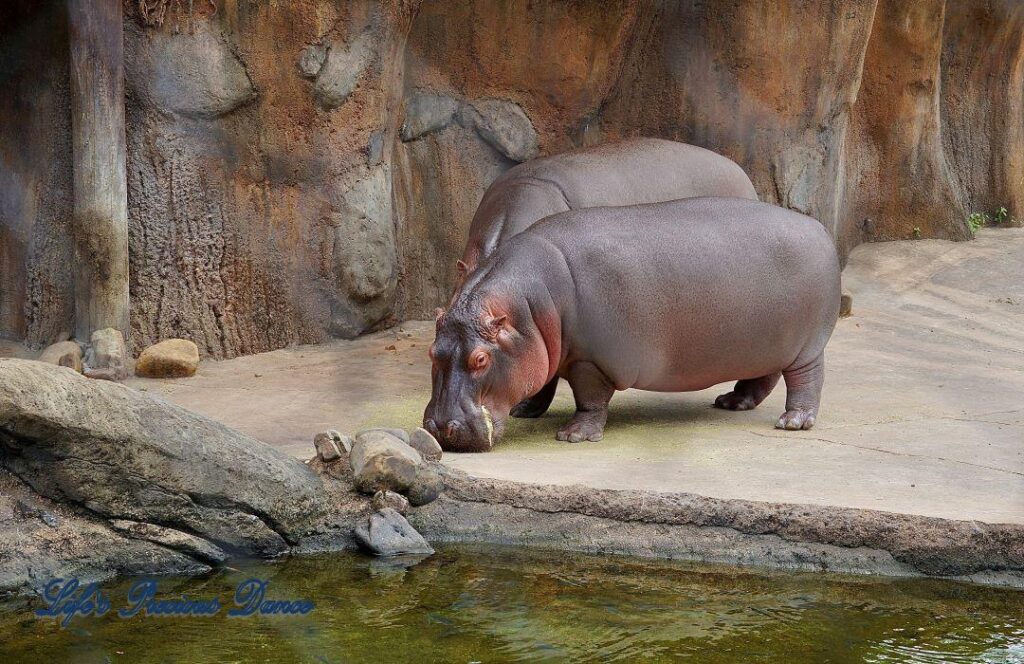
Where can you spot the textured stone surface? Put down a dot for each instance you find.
(395, 501)
(382, 462)
(172, 358)
(424, 443)
(326, 447)
(426, 487)
(387, 533)
(125, 455)
(63, 354)
(305, 169)
(107, 357)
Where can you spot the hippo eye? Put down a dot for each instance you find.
(479, 359)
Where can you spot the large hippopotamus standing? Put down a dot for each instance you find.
(710, 290)
(627, 172)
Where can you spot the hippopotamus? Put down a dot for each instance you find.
(669, 297)
(626, 172)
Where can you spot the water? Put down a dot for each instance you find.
(495, 604)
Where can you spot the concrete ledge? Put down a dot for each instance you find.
(754, 534)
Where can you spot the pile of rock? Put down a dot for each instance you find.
(399, 469)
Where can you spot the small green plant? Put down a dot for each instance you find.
(1001, 216)
(917, 232)
(977, 220)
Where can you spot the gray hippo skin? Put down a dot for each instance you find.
(670, 297)
(627, 172)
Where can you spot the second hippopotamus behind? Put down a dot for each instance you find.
(669, 297)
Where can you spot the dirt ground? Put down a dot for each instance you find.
(923, 410)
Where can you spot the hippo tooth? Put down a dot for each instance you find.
(490, 426)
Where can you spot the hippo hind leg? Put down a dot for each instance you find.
(748, 393)
(539, 403)
(803, 394)
(592, 391)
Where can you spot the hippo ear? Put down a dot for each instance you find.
(462, 268)
(494, 325)
(438, 313)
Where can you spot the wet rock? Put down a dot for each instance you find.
(127, 455)
(426, 487)
(425, 113)
(190, 545)
(326, 447)
(311, 60)
(845, 304)
(193, 73)
(172, 358)
(395, 501)
(387, 533)
(342, 68)
(425, 444)
(506, 127)
(107, 358)
(400, 434)
(382, 462)
(63, 354)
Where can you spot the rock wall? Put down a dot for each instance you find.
(309, 169)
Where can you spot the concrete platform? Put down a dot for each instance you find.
(923, 408)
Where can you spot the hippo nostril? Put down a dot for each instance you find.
(452, 430)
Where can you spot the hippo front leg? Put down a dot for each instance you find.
(592, 391)
(539, 403)
(803, 394)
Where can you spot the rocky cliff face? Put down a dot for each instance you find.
(309, 169)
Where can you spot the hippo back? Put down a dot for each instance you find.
(629, 172)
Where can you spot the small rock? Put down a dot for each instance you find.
(395, 501)
(49, 518)
(344, 442)
(382, 462)
(326, 447)
(845, 304)
(312, 59)
(63, 354)
(426, 486)
(172, 358)
(400, 434)
(107, 358)
(425, 444)
(387, 533)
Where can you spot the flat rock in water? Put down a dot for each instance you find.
(387, 533)
(63, 354)
(425, 444)
(381, 462)
(173, 358)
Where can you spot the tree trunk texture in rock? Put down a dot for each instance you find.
(100, 226)
(302, 170)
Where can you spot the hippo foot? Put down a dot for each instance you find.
(794, 420)
(736, 401)
(528, 408)
(578, 430)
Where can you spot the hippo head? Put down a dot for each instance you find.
(486, 356)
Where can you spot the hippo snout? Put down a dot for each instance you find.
(470, 433)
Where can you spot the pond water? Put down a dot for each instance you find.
(496, 604)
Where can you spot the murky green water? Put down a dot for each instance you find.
(494, 604)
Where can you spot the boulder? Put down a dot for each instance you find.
(107, 358)
(382, 462)
(173, 358)
(425, 444)
(395, 501)
(400, 434)
(326, 447)
(387, 533)
(126, 455)
(63, 354)
(426, 486)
